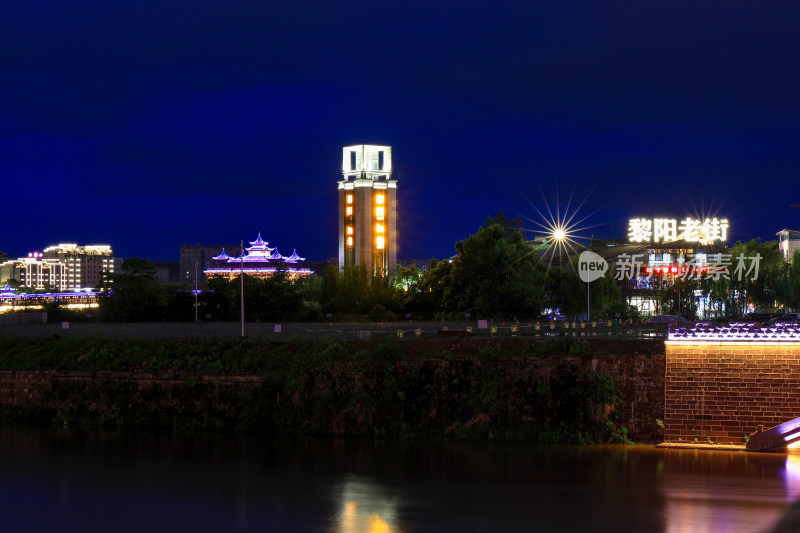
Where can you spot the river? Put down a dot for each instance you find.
(73, 480)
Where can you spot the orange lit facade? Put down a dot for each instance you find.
(368, 210)
(723, 390)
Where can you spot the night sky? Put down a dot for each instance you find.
(152, 124)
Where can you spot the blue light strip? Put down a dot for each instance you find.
(48, 295)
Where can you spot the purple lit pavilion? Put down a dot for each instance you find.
(259, 260)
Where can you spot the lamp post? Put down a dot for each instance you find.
(195, 291)
(559, 237)
(241, 278)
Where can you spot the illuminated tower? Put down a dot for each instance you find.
(368, 209)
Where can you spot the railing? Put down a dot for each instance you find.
(340, 331)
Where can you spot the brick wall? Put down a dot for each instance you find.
(24, 387)
(722, 391)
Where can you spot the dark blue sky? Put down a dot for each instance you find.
(152, 124)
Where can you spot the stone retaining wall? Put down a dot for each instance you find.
(639, 378)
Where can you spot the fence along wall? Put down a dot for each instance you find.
(337, 331)
(723, 390)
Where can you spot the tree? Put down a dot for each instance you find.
(355, 293)
(509, 226)
(569, 292)
(496, 274)
(179, 303)
(279, 298)
(744, 284)
(748, 287)
(788, 285)
(133, 295)
(425, 294)
(273, 299)
(677, 298)
(221, 300)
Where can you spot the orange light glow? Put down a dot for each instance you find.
(379, 243)
(349, 230)
(378, 524)
(379, 213)
(349, 241)
(349, 198)
(378, 228)
(379, 199)
(349, 210)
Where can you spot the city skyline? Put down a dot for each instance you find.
(148, 127)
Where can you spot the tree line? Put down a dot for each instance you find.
(494, 274)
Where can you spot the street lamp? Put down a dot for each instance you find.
(241, 281)
(561, 237)
(195, 291)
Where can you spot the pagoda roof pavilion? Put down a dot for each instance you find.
(259, 260)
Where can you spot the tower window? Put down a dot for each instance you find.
(379, 243)
(349, 241)
(378, 228)
(379, 213)
(349, 230)
(349, 198)
(349, 210)
(379, 199)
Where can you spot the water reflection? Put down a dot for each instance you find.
(366, 507)
(86, 481)
(792, 477)
(710, 491)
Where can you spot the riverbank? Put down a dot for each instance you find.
(488, 389)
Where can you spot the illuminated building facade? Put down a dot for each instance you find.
(35, 272)
(645, 272)
(368, 210)
(788, 243)
(85, 264)
(259, 261)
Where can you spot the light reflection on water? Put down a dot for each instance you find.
(366, 507)
(86, 481)
(711, 491)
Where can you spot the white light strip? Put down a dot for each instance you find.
(737, 332)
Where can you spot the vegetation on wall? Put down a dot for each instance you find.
(309, 387)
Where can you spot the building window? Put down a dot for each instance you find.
(379, 242)
(349, 241)
(349, 198)
(379, 199)
(349, 210)
(379, 213)
(378, 228)
(349, 230)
